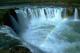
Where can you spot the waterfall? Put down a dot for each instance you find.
(36, 17)
(37, 24)
(76, 14)
(45, 28)
(32, 17)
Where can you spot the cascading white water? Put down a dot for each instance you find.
(42, 22)
(45, 28)
(39, 16)
(76, 15)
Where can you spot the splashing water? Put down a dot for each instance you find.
(46, 29)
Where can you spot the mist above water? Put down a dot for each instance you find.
(47, 29)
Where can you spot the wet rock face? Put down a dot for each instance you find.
(7, 37)
(9, 42)
(8, 19)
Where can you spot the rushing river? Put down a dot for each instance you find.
(46, 29)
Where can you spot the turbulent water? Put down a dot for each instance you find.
(48, 30)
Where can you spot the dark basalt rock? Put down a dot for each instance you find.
(19, 49)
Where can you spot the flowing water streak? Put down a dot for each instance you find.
(76, 15)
